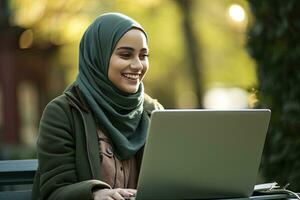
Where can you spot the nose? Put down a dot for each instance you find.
(136, 64)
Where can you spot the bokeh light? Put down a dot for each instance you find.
(26, 39)
(226, 98)
(236, 13)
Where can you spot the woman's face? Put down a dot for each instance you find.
(129, 61)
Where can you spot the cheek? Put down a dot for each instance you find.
(115, 66)
(113, 70)
(145, 67)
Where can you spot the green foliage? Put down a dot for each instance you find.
(274, 43)
(225, 60)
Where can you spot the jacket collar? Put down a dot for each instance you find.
(73, 92)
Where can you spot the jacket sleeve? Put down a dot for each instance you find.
(56, 155)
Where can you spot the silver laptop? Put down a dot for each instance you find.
(202, 154)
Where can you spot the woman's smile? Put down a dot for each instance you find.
(131, 76)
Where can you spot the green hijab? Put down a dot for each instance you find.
(120, 114)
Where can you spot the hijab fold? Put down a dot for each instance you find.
(120, 114)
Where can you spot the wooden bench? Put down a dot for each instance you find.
(16, 178)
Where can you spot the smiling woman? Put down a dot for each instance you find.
(91, 137)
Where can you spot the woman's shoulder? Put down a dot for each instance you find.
(60, 101)
(56, 109)
(151, 104)
(70, 97)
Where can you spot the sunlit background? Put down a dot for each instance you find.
(39, 56)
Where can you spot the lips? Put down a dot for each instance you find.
(131, 76)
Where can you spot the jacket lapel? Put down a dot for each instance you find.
(90, 130)
(92, 145)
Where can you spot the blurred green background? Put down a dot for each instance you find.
(199, 57)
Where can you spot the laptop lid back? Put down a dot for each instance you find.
(201, 154)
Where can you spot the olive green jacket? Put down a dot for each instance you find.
(68, 149)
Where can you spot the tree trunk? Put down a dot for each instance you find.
(192, 48)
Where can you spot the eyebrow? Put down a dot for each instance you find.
(130, 48)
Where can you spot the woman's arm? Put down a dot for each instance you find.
(56, 155)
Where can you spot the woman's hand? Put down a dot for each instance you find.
(114, 194)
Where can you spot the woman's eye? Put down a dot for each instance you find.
(125, 55)
(144, 56)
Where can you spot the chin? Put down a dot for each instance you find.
(132, 91)
(129, 88)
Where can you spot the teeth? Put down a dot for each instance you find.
(132, 76)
